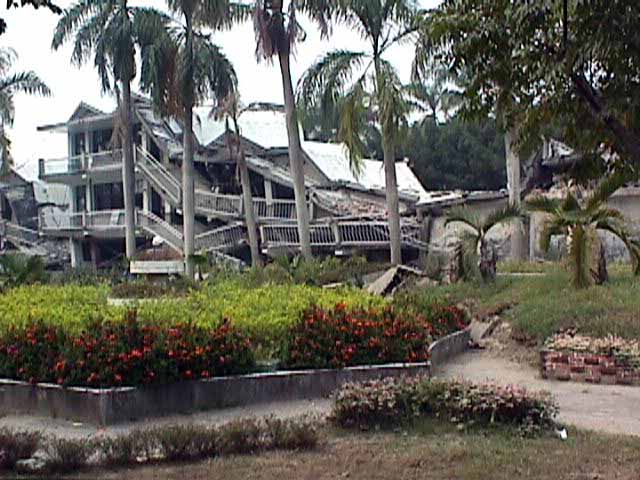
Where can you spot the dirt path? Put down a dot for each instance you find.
(605, 408)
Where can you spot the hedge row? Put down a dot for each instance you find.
(389, 402)
(131, 352)
(159, 444)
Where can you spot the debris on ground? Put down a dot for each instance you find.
(394, 279)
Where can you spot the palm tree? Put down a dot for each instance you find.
(182, 68)
(433, 95)
(105, 28)
(580, 219)
(475, 237)
(365, 85)
(10, 84)
(277, 31)
(229, 109)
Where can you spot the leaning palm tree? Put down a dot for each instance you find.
(229, 109)
(474, 238)
(579, 219)
(182, 68)
(365, 85)
(277, 31)
(12, 83)
(104, 28)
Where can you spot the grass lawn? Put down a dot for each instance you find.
(543, 304)
(431, 450)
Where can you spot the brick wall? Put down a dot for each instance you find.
(584, 367)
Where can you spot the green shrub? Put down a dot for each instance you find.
(125, 449)
(392, 401)
(149, 290)
(16, 445)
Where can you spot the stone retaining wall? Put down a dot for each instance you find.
(583, 367)
(117, 405)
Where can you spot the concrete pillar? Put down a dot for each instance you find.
(268, 191)
(89, 196)
(167, 211)
(95, 253)
(75, 247)
(536, 221)
(146, 197)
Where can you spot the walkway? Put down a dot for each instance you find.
(605, 408)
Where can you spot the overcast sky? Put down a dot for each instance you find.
(29, 33)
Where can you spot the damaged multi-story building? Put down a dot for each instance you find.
(348, 212)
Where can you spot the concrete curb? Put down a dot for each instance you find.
(447, 347)
(116, 405)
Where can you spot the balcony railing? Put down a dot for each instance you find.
(96, 220)
(80, 163)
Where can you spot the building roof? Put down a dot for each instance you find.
(333, 161)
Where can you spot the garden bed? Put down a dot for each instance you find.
(577, 358)
(108, 406)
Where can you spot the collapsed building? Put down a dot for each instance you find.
(348, 212)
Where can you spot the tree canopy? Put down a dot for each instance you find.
(573, 63)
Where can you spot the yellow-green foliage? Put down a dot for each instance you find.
(264, 312)
(71, 305)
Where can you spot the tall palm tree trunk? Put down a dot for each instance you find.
(247, 196)
(295, 157)
(128, 173)
(393, 206)
(518, 249)
(188, 193)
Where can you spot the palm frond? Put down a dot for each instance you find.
(353, 119)
(466, 216)
(73, 18)
(617, 228)
(550, 228)
(326, 81)
(539, 203)
(392, 102)
(501, 215)
(605, 189)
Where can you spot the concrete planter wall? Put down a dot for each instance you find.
(160, 267)
(116, 405)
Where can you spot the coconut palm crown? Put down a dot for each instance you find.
(365, 87)
(12, 83)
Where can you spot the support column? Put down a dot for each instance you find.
(75, 247)
(167, 211)
(268, 191)
(147, 195)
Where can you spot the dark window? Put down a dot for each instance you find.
(101, 140)
(78, 144)
(108, 196)
(81, 198)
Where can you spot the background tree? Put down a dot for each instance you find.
(457, 155)
(182, 68)
(277, 31)
(105, 29)
(577, 61)
(365, 84)
(12, 83)
(434, 95)
(579, 217)
(474, 237)
(454, 35)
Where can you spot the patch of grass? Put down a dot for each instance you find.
(542, 305)
(432, 449)
(511, 266)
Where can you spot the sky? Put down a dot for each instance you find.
(30, 31)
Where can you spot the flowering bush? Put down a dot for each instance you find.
(625, 351)
(342, 337)
(390, 401)
(122, 353)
